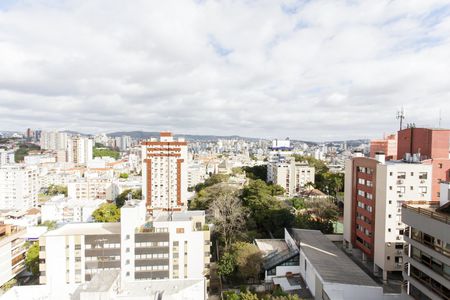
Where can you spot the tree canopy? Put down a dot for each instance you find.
(107, 212)
(122, 197)
(32, 259)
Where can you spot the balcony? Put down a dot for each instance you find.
(427, 212)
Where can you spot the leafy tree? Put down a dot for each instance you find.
(228, 214)
(248, 259)
(54, 189)
(212, 180)
(122, 197)
(226, 264)
(102, 152)
(319, 165)
(237, 171)
(32, 259)
(231, 295)
(298, 203)
(51, 225)
(107, 212)
(123, 176)
(256, 172)
(248, 296)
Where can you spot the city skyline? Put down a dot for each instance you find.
(315, 70)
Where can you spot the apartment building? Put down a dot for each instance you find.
(80, 150)
(91, 188)
(67, 210)
(387, 145)
(6, 157)
(291, 175)
(12, 252)
(432, 146)
(171, 245)
(374, 192)
(164, 172)
(426, 255)
(19, 186)
(53, 140)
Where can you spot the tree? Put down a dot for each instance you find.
(102, 152)
(54, 189)
(212, 180)
(9, 284)
(107, 212)
(228, 214)
(122, 197)
(256, 172)
(248, 259)
(123, 175)
(226, 264)
(32, 259)
(248, 296)
(51, 225)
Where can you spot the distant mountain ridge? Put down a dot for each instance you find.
(189, 137)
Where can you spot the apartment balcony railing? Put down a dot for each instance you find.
(428, 213)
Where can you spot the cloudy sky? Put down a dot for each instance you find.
(313, 70)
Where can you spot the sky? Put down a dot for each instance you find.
(311, 70)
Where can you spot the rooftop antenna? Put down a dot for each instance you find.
(440, 118)
(401, 116)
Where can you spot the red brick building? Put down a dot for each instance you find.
(388, 146)
(433, 145)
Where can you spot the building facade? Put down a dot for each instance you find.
(164, 173)
(19, 186)
(432, 146)
(291, 175)
(12, 252)
(427, 251)
(141, 248)
(387, 145)
(374, 192)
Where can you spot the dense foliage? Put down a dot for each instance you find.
(102, 152)
(24, 150)
(135, 194)
(107, 212)
(32, 259)
(54, 189)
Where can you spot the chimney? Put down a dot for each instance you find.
(380, 156)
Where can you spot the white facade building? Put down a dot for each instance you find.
(141, 248)
(291, 175)
(54, 140)
(80, 150)
(19, 187)
(67, 210)
(91, 188)
(164, 173)
(6, 157)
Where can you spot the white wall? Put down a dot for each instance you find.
(348, 201)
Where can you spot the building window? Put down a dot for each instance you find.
(389, 230)
(388, 258)
(422, 189)
(180, 230)
(401, 175)
(423, 175)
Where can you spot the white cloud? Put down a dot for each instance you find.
(307, 69)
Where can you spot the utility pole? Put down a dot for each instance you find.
(401, 117)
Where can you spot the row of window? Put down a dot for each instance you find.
(402, 175)
(102, 258)
(365, 182)
(365, 170)
(152, 244)
(363, 218)
(152, 256)
(153, 268)
(105, 246)
(431, 262)
(365, 194)
(402, 189)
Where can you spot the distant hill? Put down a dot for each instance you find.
(189, 137)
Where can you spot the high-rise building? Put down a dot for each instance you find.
(80, 150)
(374, 192)
(19, 187)
(426, 268)
(387, 145)
(140, 247)
(53, 140)
(164, 172)
(431, 146)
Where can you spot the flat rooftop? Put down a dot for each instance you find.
(179, 215)
(330, 262)
(86, 229)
